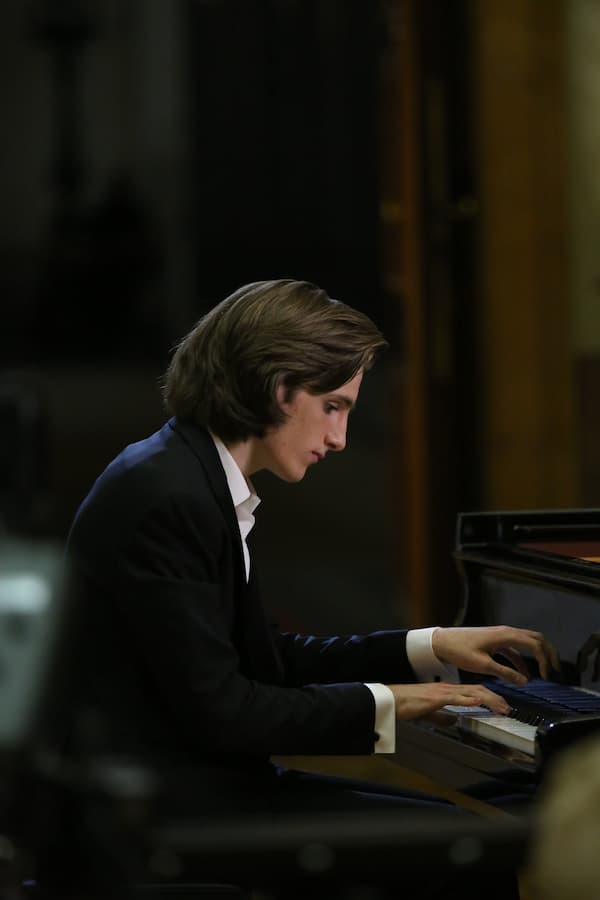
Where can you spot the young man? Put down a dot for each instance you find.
(182, 668)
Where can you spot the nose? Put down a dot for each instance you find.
(336, 436)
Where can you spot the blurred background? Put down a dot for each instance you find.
(435, 163)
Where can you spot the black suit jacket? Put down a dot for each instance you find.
(176, 657)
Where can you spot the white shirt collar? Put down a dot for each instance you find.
(242, 493)
(241, 490)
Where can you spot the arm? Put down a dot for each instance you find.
(196, 670)
(472, 649)
(380, 656)
(475, 650)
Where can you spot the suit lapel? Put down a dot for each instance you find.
(202, 445)
(254, 641)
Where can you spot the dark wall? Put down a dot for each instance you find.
(185, 149)
(160, 155)
(284, 124)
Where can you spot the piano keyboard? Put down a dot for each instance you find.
(536, 703)
(499, 729)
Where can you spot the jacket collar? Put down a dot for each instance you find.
(202, 445)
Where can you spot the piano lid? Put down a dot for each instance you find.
(561, 546)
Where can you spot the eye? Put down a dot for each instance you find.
(331, 407)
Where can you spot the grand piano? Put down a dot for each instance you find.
(533, 569)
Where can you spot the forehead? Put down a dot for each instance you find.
(345, 394)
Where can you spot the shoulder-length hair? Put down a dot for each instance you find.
(225, 372)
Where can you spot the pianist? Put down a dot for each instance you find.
(182, 667)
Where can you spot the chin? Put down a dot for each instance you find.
(291, 476)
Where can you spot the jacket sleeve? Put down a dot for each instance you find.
(196, 671)
(380, 656)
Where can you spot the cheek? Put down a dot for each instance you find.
(293, 441)
(285, 441)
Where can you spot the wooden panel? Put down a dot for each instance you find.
(527, 414)
(400, 214)
(425, 203)
(489, 421)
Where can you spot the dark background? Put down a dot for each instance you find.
(413, 157)
(156, 156)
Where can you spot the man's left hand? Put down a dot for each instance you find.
(473, 649)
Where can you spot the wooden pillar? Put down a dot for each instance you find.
(400, 213)
(527, 393)
(475, 265)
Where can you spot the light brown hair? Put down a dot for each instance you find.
(225, 372)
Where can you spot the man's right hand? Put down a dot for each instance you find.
(416, 700)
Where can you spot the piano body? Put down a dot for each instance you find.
(532, 569)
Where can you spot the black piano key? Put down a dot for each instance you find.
(528, 717)
(544, 699)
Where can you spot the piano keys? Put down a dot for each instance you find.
(537, 706)
(533, 569)
(503, 730)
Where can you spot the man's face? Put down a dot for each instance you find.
(315, 424)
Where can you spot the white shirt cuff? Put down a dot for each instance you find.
(425, 664)
(385, 718)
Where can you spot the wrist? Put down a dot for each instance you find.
(437, 643)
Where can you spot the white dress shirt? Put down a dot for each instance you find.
(426, 665)
(242, 493)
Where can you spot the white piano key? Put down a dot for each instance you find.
(500, 729)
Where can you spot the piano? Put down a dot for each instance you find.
(533, 569)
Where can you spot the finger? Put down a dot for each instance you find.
(495, 702)
(547, 658)
(505, 673)
(543, 651)
(516, 659)
(553, 654)
(480, 696)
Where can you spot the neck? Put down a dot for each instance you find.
(246, 455)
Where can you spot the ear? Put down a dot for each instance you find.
(285, 396)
